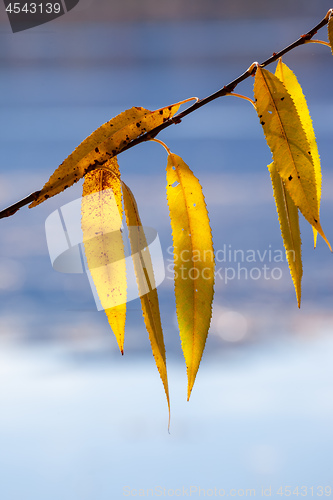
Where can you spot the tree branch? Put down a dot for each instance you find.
(227, 89)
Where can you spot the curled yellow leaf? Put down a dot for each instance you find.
(289, 144)
(193, 261)
(289, 224)
(103, 144)
(101, 222)
(146, 285)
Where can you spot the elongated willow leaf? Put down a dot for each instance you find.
(289, 80)
(289, 224)
(289, 145)
(101, 220)
(193, 261)
(330, 32)
(103, 144)
(146, 285)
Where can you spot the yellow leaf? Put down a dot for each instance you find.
(101, 221)
(145, 279)
(288, 143)
(289, 224)
(193, 261)
(330, 32)
(104, 143)
(289, 80)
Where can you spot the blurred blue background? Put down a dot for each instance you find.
(77, 420)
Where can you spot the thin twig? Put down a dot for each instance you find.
(227, 89)
(7, 212)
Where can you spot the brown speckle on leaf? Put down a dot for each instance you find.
(290, 178)
(96, 150)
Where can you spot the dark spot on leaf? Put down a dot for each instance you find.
(260, 116)
(66, 186)
(262, 123)
(46, 196)
(299, 176)
(282, 98)
(114, 152)
(138, 124)
(289, 178)
(309, 152)
(169, 108)
(97, 150)
(315, 221)
(161, 111)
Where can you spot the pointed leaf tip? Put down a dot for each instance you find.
(144, 273)
(289, 225)
(193, 261)
(101, 220)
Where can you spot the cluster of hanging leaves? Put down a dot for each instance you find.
(107, 200)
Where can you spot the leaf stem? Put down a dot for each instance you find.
(243, 97)
(163, 144)
(226, 90)
(318, 41)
